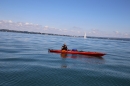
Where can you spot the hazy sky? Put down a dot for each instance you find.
(95, 17)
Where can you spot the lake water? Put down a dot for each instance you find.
(25, 61)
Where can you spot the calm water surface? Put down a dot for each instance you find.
(25, 61)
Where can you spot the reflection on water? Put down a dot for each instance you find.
(74, 56)
(64, 56)
(82, 58)
(64, 64)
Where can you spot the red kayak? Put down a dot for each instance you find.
(98, 54)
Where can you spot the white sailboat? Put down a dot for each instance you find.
(85, 36)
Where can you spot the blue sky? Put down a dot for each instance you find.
(107, 18)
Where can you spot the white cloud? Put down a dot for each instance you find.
(116, 32)
(10, 21)
(60, 29)
(26, 23)
(93, 32)
(9, 24)
(45, 26)
(78, 31)
(19, 24)
(126, 34)
(77, 28)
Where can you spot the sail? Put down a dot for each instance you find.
(85, 36)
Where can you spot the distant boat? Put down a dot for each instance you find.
(85, 36)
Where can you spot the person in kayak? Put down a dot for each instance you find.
(64, 47)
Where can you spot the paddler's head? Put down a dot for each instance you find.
(64, 44)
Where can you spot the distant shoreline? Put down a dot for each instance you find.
(28, 32)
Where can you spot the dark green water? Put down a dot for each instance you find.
(25, 61)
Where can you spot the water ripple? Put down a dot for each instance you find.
(25, 61)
